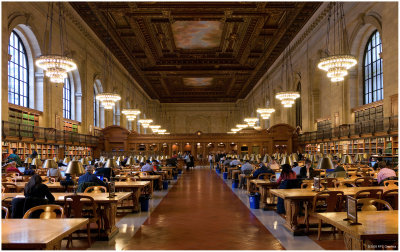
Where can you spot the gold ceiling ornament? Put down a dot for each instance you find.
(337, 63)
(108, 100)
(145, 122)
(130, 114)
(235, 129)
(241, 126)
(251, 121)
(287, 98)
(56, 66)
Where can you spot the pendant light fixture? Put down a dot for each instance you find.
(337, 64)
(241, 126)
(56, 66)
(145, 122)
(108, 100)
(287, 98)
(155, 128)
(251, 121)
(131, 113)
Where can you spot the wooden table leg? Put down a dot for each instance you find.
(292, 211)
(109, 217)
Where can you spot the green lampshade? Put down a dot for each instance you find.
(37, 162)
(347, 159)
(325, 163)
(111, 163)
(75, 168)
(286, 160)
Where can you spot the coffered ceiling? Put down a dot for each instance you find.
(196, 51)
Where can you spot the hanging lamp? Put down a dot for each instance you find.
(235, 129)
(131, 113)
(337, 64)
(241, 126)
(145, 122)
(56, 66)
(251, 121)
(108, 100)
(155, 128)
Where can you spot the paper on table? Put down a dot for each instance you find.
(20, 196)
(60, 197)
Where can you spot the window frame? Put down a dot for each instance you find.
(67, 112)
(371, 85)
(21, 51)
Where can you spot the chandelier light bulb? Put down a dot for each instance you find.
(56, 66)
(145, 122)
(241, 126)
(231, 132)
(131, 113)
(336, 66)
(251, 121)
(162, 131)
(287, 98)
(108, 100)
(235, 129)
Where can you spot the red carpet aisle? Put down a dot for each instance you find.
(201, 212)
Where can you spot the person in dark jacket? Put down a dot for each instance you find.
(90, 177)
(262, 169)
(337, 167)
(307, 171)
(105, 172)
(35, 189)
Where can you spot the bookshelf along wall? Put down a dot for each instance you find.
(27, 121)
(45, 151)
(386, 147)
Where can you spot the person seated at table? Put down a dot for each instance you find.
(12, 168)
(246, 168)
(105, 172)
(227, 161)
(236, 162)
(296, 168)
(385, 173)
(307, 171)
(338, 171)
(274, 165)
(13, 157)
(29, 171)
(36, 189)
(90, 177)
(286, 173)
(55, 173)
(147, 167)
(156, 165)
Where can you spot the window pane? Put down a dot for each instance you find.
(373, 81)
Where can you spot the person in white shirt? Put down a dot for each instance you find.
(235, 162)
(296, 168)
(246, 168)
(211, 160)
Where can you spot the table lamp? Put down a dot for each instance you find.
(110, 163)
(55, 159)
(295, 157)
(84, 161)
(49, 163)
(325, 164)
(66, 160)
(130, 161)
(75, 168)
(36, 162)
(287, 160)
(28, 160)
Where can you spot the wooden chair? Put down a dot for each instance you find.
(368, 204)
(332, 202)
(369, 193)
(76, 208)
(49, 212)
(340, 184)
(364, 181)
(96, 189)
(4, 212)
(391, 183)
(10, 187)
(330, 182)
(392, 196)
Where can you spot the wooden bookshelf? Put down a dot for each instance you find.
(25, 149)
(26, 117)
(81, 151)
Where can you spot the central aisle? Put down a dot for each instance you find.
(201, 212)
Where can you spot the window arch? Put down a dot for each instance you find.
(372, 66)
(98, 109)
(67, 99)
(18, 72)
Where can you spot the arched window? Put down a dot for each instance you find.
(298, 107)
(95, 120)
(67, 99)
(18, 77)
(373, 77)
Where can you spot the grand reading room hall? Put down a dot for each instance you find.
(199, 125)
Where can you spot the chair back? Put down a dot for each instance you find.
(48, 212)
(331, 182)
(96, 189)
(364, 181)
(131, 179)
(392, 196)
(370, 204)
(4, 212)
(332, 200)
(369, 193)
(340, 184)
(73, 205)
(10, 187)
(391, 183)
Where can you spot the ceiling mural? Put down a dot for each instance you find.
(173, 48)
(197, 82)
(197, 34)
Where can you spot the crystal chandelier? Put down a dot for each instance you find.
(155, 128)
(265, 112)
(251, 121)
(145, 122)
(241, 126)
(231, 132)
(56, 66)
(161, 131)
(235, 130)
(287, 98)
(108, 100)
(131, 113)
(337, 64)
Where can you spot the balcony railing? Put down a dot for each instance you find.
(387, 124)
(10, 129)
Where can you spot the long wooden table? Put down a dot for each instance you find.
(108, 206)
(25, 234)
(136, 188)
(376, 226)
(264, 187)
(293, 197)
